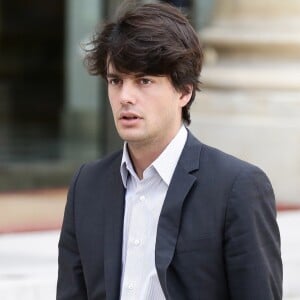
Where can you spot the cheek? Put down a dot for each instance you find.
(113, 106)
(111, 96)
(112, 99)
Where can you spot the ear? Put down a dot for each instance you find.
(186, 95)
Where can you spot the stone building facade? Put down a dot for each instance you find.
(250, 104)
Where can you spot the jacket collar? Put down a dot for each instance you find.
(113, 231)
(169, 221)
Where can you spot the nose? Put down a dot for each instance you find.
(127, 93)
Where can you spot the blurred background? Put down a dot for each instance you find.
(54, 116)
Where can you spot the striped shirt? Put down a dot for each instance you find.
(143, 203)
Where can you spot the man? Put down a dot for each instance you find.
(168, 217)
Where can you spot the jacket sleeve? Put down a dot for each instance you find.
(70, 283)
(252, 239)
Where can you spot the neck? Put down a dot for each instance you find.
(142, 156)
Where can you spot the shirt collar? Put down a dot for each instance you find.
(165, 164)
(126, 165)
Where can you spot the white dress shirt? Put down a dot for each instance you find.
(143, 203)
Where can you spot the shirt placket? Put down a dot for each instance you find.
(137, 237)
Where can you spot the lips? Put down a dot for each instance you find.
(129, 116)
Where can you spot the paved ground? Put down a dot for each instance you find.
(28, 260)
(28, 266)
(32, 210)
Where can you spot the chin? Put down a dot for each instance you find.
(134, 139)
(127, 137)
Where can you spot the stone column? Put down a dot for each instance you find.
(250, 104)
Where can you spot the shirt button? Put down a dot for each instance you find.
(137, 242)
(130, 286)
(142, 198)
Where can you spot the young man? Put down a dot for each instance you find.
(168, 217)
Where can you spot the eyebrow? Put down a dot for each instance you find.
(135, 75)
(110, 75)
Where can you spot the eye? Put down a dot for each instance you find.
(114, 81)
(145, 81)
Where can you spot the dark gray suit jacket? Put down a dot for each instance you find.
(217, 236)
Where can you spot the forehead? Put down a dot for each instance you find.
(135, 65)
(113, 71)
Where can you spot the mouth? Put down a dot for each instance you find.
(129, 116)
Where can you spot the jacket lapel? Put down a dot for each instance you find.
(113, 234)
(169, 220)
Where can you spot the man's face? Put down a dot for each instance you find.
(146, 109)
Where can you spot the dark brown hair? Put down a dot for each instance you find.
(152, 39)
